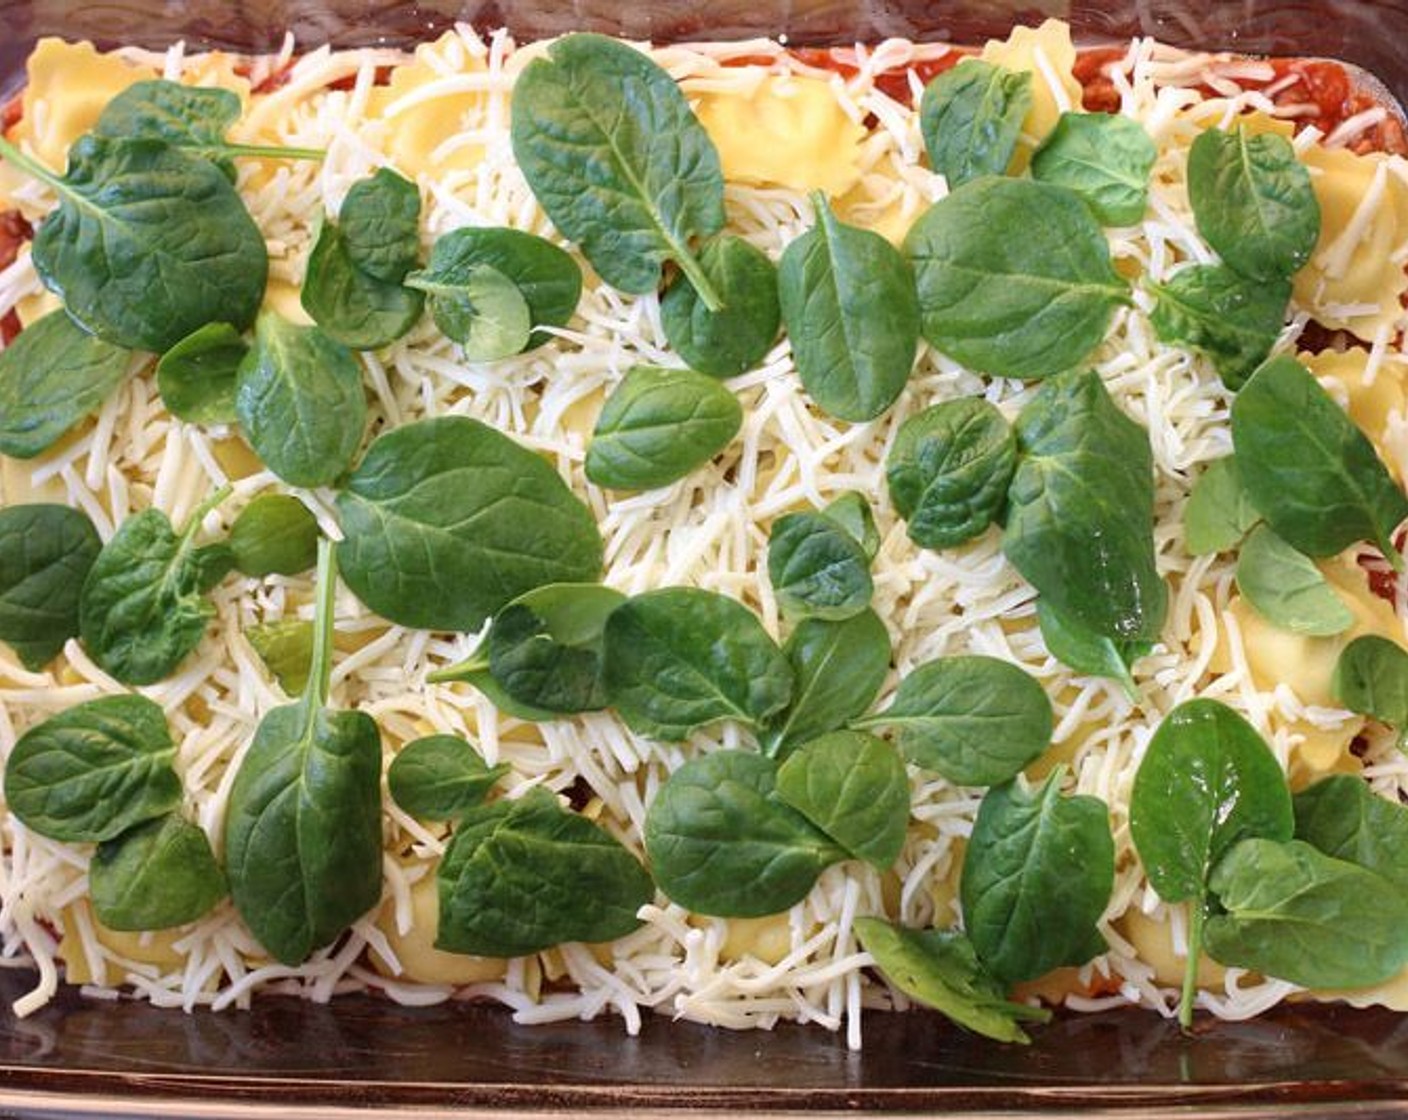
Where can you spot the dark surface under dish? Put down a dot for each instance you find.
(82, 1057)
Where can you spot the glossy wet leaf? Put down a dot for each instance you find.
(94, 770)
(522, 876)
(817, 568)
(1086, 652)
(721, 842)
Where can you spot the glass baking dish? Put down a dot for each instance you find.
(79, 1057)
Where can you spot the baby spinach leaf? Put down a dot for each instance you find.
(143, 608)
(1314, 476)
(196, 377)
(1371, 677)
(847, 297)
(1296, 914)
(147, 243)
(440, 777)
(949, 469)
(303, 826)
(658, 425)
(679, 658)
(522, 876)
(46, 552)
(1085, 652)
(737, 337)
(1014, 277)
(94, 770)
(1207, 781)
(721, 842)
(286, 648)
(940, 969)
(976, 720)
(380, 224)
(1081, 511)
(300, 402)
(480, 308)
(1233, 320)
(1037, 876)
(52, 375)
(353, 307)
(1287, 589)
(817, 568)
(614, 155)
(1104, 158)
(155, 875)
(1253, 202)
(447, 520)
(474, 671)
(546, 647)
(1344, 818)
(852, 512)
(274, 534)
(194, 118)
(546, 277)
(838, 668)
(971, 118)
(1219, 513)
(854, 788)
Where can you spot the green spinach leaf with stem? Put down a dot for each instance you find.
(447, 520)
(46, 552)
(93, 771)
(847, 297)
(658, 425)
(854, 788)
(474, 671)
(1232, 319)
(949, 469)
(971, 119)
(353, 307)
(1371, 677)
(940, 969)
(303, 826)
(1344, 818)
(197, 377)
(1080, 510)
(1104, 158)
(976, 720)
(545, 276)
(1287, 589)
(192, 118)
(1253, 202)
(817, 569)
(300, 402)
(1014, 277)
(1037, 876)
(275, 534)
(838, 668)
(286, 648)
(1289, 911)
(53, 375)
(1085, 652)
(852, 512)
(522, 876)
(147, 243)
(142, 608)
(1207, 781)
(440, 777)
(480, 308)
(156, 875)
(1312, 474)
(618, 161)
(546, 647)
(1219, 513)
(679, 658)
(720, 840)
(735, 338)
